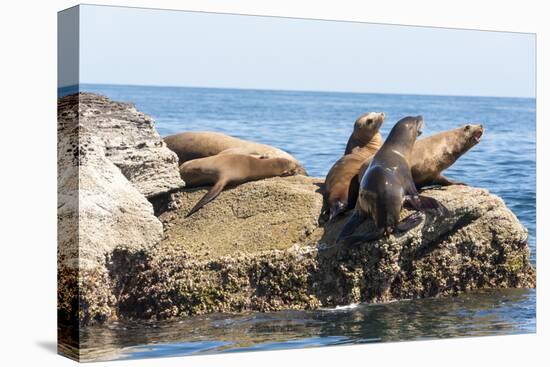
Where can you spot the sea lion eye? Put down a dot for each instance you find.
(467, 127)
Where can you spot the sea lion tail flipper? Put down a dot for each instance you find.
(410, 222)
(336, 209)
(353, 222)
(209, 196)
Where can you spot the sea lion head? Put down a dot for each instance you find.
(367, 125)
(300, 170)
(471, 135)
(286, 167)
(405, 131)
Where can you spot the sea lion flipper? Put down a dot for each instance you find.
(353, 222)
(423, 203)
(441, 180)
(209, 196)
(448, 181)
(371, 236)
(410, 222)
(431, 203)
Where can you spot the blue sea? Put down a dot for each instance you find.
(314, 127)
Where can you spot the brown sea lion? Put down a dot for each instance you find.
(201, 144)
(362, 130)
(387, 185)
(342, 174)
(434, 154)
(230, 169)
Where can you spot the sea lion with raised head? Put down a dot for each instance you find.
(201, 144)
(387, 185)
(434, 154)
(362, 130)
(342, 174)
(230, 169)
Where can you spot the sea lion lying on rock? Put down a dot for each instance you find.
(201, 144)
(229, 169)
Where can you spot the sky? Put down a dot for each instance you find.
(159, 47)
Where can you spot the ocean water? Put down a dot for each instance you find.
(314, 127)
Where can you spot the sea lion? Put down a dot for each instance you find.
(342, 174)
(387, 185)
(225, 169)
(201, 144)
(434, 154)
(362, 130)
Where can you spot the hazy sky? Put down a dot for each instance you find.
(159, 47)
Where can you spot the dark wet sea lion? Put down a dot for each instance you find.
(362, 130)
(434, 154)
(387, 185)
(201, 144)
(230, 169)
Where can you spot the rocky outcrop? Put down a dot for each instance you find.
(259, 246)
(99, 209)
(130, 141)
(111, 213)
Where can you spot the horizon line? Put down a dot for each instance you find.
(295, 90)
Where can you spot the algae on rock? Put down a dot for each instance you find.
(480, 244)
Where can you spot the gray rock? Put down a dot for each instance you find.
(99, 211)
(131, 143)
